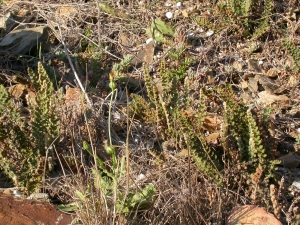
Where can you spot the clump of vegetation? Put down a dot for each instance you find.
(179, 123)
(293, 51)
(152, 154)
(26, 145)
(244, 16)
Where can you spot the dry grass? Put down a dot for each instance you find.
(183, 194)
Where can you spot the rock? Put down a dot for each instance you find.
(291, 160)
(267, 98)
(73, 99)
(7, 22)
(251, 214)
(253, 86)
(238, 66)
(267, 83)
(272, 73)
(145, 55)
(253, 65)
(30, 212)
(20, 41)
(296, 185)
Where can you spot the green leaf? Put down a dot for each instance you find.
(142, 198)
(86, 146)
(162, 27)
(80, 195)
(67, 208)
(108, 9)
(158, 30)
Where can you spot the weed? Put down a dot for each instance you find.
(29, 142)
(159, 31)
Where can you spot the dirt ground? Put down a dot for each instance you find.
(14, 211)
(207, 109)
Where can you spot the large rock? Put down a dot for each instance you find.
(251, 214)
(22, 40)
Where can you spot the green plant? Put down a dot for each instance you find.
(245, 14)
(109, 182)
(263, 26)
(242, 134)
(298, 140)
(169, 112)
(123, 65)
(112, 11)
(245, 151)
(44, 121)
(26, 144)
(293, 51)
(159, 31)
(177, 53)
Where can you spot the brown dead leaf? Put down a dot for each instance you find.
(213, 138)
(247, 97)
(184, 153)
(244, 85)
(124, 39)
(293, 81)
(30, 98)
(145, 55)
(185, 13)
(212, 122)
(18, 91)
(65, 11)
(238, 66)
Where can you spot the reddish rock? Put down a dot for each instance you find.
(251, 214)
(15, 211)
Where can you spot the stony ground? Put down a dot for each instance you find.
(262, 71)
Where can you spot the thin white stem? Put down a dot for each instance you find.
(73, 69)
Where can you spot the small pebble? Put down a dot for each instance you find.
(178, 4)
(7, 192)
(209, 33)
(282, 169)
(200, 29)
(169, 15)
(149, 40)
(17, 193)
(191, 36)
(141, 177)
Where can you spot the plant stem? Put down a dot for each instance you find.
(109, 117)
